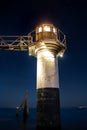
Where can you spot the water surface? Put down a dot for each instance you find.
(71, 119)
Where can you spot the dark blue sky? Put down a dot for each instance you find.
(18, 69)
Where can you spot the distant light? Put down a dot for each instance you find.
(47, 28)
(40, 29)
(17, 107)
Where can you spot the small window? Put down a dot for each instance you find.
(54, 30)
(40, 29)
(47, 28)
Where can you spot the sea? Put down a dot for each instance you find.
(71, 119)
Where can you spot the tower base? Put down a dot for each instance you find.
(48, 108)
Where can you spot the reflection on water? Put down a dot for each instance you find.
(25, 122)
(22, 124)
(71, 119)
(43, 121)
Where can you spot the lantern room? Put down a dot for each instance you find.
(46, 32)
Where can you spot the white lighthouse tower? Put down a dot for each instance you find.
(50, 44)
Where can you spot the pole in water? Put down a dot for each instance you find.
(26, 109)
(24, 105)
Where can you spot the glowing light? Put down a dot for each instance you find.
(40, 29)
(29, 54)
(47, 28)
(54, 30)
(61, 54)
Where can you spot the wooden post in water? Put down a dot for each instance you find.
(24, 105)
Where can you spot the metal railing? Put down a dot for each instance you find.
(61, 37)
(22, 42)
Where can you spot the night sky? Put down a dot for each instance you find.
(18, 69)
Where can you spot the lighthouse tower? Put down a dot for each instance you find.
(50, 44)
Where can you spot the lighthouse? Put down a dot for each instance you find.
(50, 44)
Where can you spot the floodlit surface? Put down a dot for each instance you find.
(48, 54)
(47, 71)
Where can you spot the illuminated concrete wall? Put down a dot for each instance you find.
(47, 70)
(48, 105)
